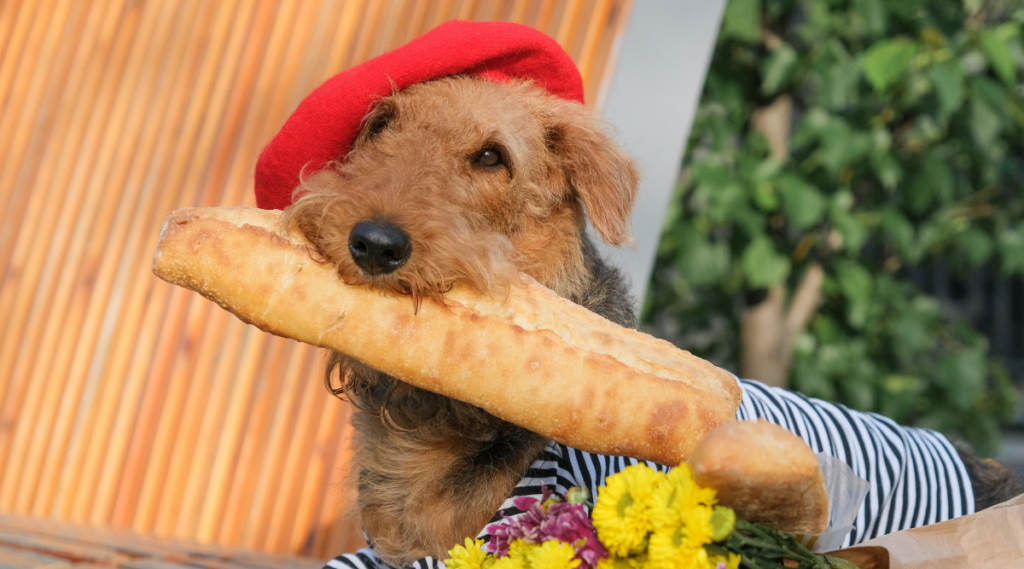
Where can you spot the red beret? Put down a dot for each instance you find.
(326, 122)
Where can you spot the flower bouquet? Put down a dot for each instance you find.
(642, 519)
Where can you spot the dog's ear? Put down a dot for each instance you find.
(598, 171)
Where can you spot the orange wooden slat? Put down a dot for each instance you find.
(364, 45)
(342, 45)
(417, 21)
(594, 29)
(390, 22)
(314, 474)
(82, 259)
(9, 18)
(271, 470)
(213, 39)
(40, 276)
(254, 446)
(338, 527)
(466, 9)
(116, 381)
(443, 12)
(568, 23)
(144, 434)
(519, 11)
(199, 336)
(102, 315)
(157, 399)
(295, 466)
(545, 13)
(29, 34)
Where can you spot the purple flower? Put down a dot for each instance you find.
(546, 519)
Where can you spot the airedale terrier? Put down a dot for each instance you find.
(461, 180)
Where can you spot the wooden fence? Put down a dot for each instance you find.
(128, 403)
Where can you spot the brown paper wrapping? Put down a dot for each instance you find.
(989, 539)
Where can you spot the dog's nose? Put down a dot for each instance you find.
(378, 248)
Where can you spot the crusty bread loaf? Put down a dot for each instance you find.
(765, 473)
(533, 358)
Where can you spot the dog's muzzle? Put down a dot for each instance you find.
(378, 247)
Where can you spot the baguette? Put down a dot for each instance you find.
(532, 358)
(765, 473)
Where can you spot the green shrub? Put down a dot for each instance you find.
(906, 146)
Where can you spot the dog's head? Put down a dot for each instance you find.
(466, 180)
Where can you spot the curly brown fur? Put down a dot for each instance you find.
(433, 470)
(992, 482)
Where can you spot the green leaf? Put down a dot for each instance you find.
(742, 20)
(1011, 249)
(777, 68)
(886, 61)
(948, 79)
(766, 170)
(726, 202)
(900, 230)
(976, 246)
(802, 203)
(841, 146)
(995, 44)
(985, 124)
(855, 281)
(763, 265)
(811, 126)
(934, 182)
(874, 15)
(913, 326)
(888, 170)
(962, 373)
(699, 261)
(996, 95)
(764, 196)
(856, 284)
(853, 231)
(837, 76)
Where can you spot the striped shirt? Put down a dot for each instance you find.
(916, 476)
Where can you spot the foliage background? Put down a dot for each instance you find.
(907, 148)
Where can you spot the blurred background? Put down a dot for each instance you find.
(845, 218)
(849, 221)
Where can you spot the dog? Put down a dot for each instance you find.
(466, 180)
(471, 181)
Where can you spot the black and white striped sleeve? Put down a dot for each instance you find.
(916, 476)
(366, 558)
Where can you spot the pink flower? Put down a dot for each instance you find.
(546, 519)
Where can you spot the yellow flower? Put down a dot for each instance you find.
(622, 513)
(635, 561)
(553, 554)
(508, 562)
(470, 556)
(519, 551)
(716, 561)
(677, 493)
(676, 549)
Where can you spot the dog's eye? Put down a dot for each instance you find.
(490, 158)
(378, 126)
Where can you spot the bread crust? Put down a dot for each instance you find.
(765, 473)
(532, 358)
